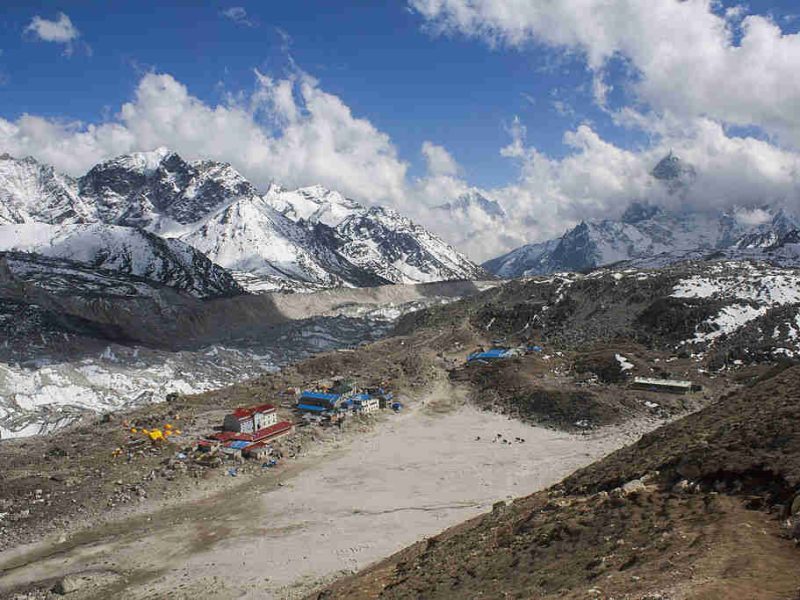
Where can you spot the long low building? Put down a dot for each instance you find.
(674, 386)
(318, 401)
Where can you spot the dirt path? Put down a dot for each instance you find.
(414, 475)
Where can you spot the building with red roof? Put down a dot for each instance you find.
(251, 419)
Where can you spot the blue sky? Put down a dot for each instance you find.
(558, 110)
(376, 56)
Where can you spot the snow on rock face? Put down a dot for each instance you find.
(524, 261)
(624, 363)
(159, 190)
(471, 202)
(728, 320)
(647, 237)
(374, 240)
(749, 294)
(251, 236)
(314, 204)
(123, 250)
(305, 237)
(381, 241)
(30, 191)
(755, 283)
(292, 235)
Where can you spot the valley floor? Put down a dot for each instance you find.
(337, 510)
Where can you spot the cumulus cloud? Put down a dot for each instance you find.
(288, 130)
(292, 131)
(438, 159)
(59, 31)
(238, 14)
(689, 58)
(599, 179)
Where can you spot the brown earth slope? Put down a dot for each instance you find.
(706, 507)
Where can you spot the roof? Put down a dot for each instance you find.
(489, 354)
(222, 436)
(654, 381)
(238, 444)
(226, 436)
(360, 397)
(312, 407)
(320, 396)
(246, 413)
(272, 430)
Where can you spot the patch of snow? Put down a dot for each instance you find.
(624, 364)
(728, 320)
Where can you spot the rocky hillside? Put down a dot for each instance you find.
(706, 507)
(718, 313)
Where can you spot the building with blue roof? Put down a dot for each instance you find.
(490, 355)
(318, 402)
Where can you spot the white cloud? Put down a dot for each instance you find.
(288, 130)
(60, 31)
(684, 52)
(438, 160)
(238, 14)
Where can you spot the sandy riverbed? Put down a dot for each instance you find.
(412, 476)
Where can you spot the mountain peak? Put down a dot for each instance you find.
(312, 204)
(473, 199)
(283, 235)
(674, 172)
(639, 211)
(145, 163)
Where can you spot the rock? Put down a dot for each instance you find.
(69, 584)
(689, 470)
(80, 581)
(682, 487)
(633, 487)
(794, 510)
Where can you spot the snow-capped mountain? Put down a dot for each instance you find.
(379, 240)
(31, 191)
(124, 250)
(474, 201)
(376, 240)
(522, 261)
(645, 232)
(315, 204)
(674, 173)
(283, 239)
(250, 236)
(159, 190)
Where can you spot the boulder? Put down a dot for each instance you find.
(70, 583)
(74, 582)
(794, 509)
(633, 487)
